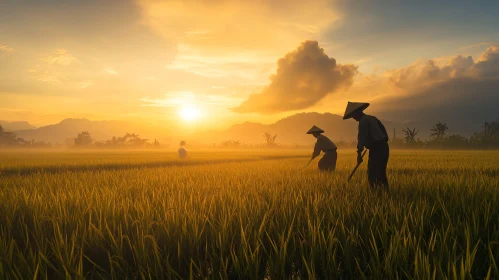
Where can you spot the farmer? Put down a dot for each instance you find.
(373, 136)
(182, 152)
(328, 161)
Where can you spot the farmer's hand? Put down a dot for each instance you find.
(359, 158)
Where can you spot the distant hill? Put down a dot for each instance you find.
(292, 129)
(100, 130)
(14, 126)
(455, 102)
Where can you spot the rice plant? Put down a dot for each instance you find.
(241, 215)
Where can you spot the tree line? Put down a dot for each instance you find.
(486, 138)
(82, 140)
(10, 139)
(129, 140)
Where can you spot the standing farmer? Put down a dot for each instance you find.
(373, 136)
(182, 152)
(328, 161)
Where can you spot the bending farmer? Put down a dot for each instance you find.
(328, 161)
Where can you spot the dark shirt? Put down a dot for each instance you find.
(323, 144)
(370, 130)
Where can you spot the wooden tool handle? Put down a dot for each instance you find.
(357, 166)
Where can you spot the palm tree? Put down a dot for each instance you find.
(439, 130)
(410, 135)
(269, 138)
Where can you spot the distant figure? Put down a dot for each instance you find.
(373, 136)
(328, 161)
(182, 152)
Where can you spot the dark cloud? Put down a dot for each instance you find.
(463, 92)
(488, 63)
(425, 72)
(458, 99)
(304, 76)
(431, 72)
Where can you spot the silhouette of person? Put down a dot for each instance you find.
(373, 136)
(182, 152)
(324, 144)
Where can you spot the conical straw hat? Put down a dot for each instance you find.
(353, 107)
(315, 129)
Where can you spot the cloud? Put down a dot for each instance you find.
(179, 98)
(488, 63)
(478, 45)
(426, 72)
(53, 79)
(457, 98)
(215, 38)
(111, 71)
(4, 48)
(49, 69)
(241, 65)
(59, 57)
(460, 90)
(303, 77)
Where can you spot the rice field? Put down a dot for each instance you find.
(247, 215)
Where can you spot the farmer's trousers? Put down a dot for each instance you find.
(376, 167)
(328, 161)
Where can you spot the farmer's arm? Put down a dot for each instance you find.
(317, 150)
(363, 133)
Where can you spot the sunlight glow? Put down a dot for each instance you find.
(189, 113)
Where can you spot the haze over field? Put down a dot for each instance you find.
(197, 66)
(289, 130)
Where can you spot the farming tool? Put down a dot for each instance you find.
(308, 162)
(357, 166)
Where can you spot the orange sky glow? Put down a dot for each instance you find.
(216, 63)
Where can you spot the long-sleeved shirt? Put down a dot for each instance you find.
(323, 144)
(370, 130)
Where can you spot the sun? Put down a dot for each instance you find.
(189, 113)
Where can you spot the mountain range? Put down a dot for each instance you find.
(292, 129)
(289, 130)
(100, 130)
(16, 126)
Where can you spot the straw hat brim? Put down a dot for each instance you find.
(312, 132)
(361, 108)
(315, 129)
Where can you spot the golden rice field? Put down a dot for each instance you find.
(247, 215)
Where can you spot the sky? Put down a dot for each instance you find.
(213, 63)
